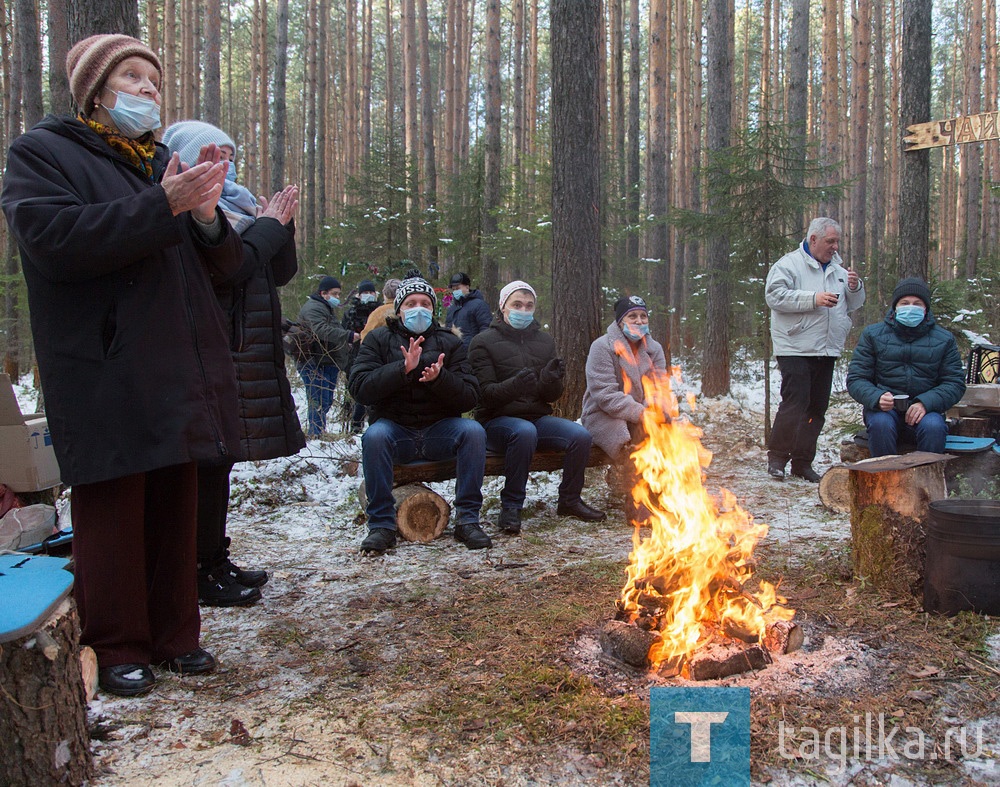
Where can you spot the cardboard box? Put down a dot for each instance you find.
(27, 461)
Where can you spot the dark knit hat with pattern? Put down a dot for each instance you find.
(409, 287)
(328, 283)
(366, 285)
(89, 62)
(912, 286)
(628, 303)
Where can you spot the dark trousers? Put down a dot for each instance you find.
(213, 507)
(805, 395)
(134, 551)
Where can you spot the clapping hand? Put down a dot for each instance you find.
(553, 371)
(431, 372)
(198, 188)
(282, 205)
(411, 355)
(525, 382)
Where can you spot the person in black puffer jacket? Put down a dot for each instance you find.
(468, 311)
(906, 354)
(414, 377)
(519, 375)
(359, 309)
(269, 423)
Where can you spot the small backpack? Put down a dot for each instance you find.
(299, 343)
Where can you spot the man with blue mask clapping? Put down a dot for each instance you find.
(906, 372)
(414, 377)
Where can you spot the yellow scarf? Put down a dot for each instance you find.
(138, 152)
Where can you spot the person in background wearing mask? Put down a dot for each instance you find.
(468, 311)
(319, 374)
(359, 309)
(519, 376)
(811, 295)
(415, 378)
(121, 246)
(377, 318)
(906, 372)
(269, 425)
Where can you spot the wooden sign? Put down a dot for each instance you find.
(967, 128)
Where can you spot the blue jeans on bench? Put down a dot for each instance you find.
(386, 443)
(517, 439)
(885, 427)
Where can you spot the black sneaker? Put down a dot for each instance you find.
(378, 541)
(248, 577)
(126, 680)
(510, 520)
(473, 536)
(776, 470)
(219, 589)
(580, 510)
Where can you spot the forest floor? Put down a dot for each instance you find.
(437, 665)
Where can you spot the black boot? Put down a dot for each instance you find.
(580, 510)
(510, 520)
(216, 588)
(473, 536)
(378, 541)
(806, 472)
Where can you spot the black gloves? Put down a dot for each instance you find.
(525, 383)
(553, 371)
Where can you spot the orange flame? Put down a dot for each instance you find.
(688, 580)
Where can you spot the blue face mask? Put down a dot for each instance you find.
(520, 320)
(417, 319)
(635, 332)
(333, 300)
(134, 115)
(910, 316)
(458, 294)
(368, 297)
(231, 173)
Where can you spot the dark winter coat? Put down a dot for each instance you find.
(355, 319)
(379, 380)
(131, 343)
(922, 362)
(269, 422)
(321, 318)
(497, 355)
(471, 315)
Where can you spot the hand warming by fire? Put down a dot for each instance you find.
(688, 581)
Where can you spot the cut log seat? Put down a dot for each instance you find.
(425, 472)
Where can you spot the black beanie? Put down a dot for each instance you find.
(912, 286)
(328, 283)
(627, 304)
(460, 278)
(367, 286)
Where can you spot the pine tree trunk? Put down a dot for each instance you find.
(915, 107)
(576, 190)
(412, 129)
(60, 100)
(428, 94)
(491, 149)
(971, 154)
(632, 185)
(861, 45)
(797, 76)
(88, 17)
(279, 100)
(213, 71)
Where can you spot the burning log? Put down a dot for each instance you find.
(714, 662)
(783, 636)
(627, 643)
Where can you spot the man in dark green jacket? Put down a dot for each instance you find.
(906, 372)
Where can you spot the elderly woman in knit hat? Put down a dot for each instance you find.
(413, 376)
(907, 373)
(120, 247)
(614, 400)
(269, 423)
(519, 377)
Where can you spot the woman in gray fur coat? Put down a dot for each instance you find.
(612, 415)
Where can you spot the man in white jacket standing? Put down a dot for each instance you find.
(811, 295)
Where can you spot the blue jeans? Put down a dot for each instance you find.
(320, 382)
(886, 427)
(386, 443)
(517, 439)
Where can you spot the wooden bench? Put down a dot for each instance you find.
(425, 472)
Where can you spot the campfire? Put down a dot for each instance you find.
(690, 605)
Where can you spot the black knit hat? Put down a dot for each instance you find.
(328, 283)
(460, 278)
(627, 304)
(410, 286)
(367, 286)
(912, 286)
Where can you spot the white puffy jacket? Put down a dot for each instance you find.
(798, 326)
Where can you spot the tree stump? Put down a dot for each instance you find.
(889, 508)
(43, 715)
(421, 513)
(835, 489)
